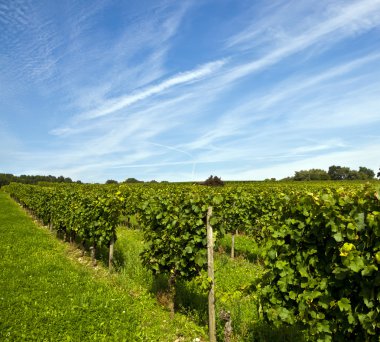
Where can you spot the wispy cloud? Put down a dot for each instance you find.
(132, 58)
(278, 23)
(350, 20)
(112, 106)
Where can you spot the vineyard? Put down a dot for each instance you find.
(306, 255)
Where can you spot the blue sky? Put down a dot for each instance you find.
(180, 90)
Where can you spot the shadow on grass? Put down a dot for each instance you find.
(262, 332)
(118, 259)
(191, 301)
(187, 299)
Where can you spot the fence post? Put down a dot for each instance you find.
(110, 257)
(233, 245)
(226, 317)
(210, 269)
(93, 254)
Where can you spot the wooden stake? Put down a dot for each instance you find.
(51, 223)
(171, 285)
(93, 255)
(210, 269)
(233, 245)
(226, 317)
(72, 237)
(110, 259)
(82, 248)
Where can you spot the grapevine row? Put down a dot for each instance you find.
(88, 214)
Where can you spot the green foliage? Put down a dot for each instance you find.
(368, 172)
(7, 178)
(111, 181)
(132, 180)
(174, 223)
(334, 173)
(345, 173)
(213, 181)
(321, 251)
(339, 172)
(312, 174)
(176, 234)
(88, 212)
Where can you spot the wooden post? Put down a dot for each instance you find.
(51, 223)
(226, 317)
(93, 255)
(210, 269)
(233, 245)
(72, 237)
(171, 285)
(110, 259)
(82, 248)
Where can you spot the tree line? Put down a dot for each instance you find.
(334, 173)
(7, 178)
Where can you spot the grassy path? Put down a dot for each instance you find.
(46, 296)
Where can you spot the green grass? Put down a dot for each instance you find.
(47, 295)
(245, 246)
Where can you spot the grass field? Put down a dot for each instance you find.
(46, 294)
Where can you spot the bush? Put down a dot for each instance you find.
(213, 181)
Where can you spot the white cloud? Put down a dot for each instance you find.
(115, 105)
(351, 19)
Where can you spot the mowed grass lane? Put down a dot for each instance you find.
(46, 296)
